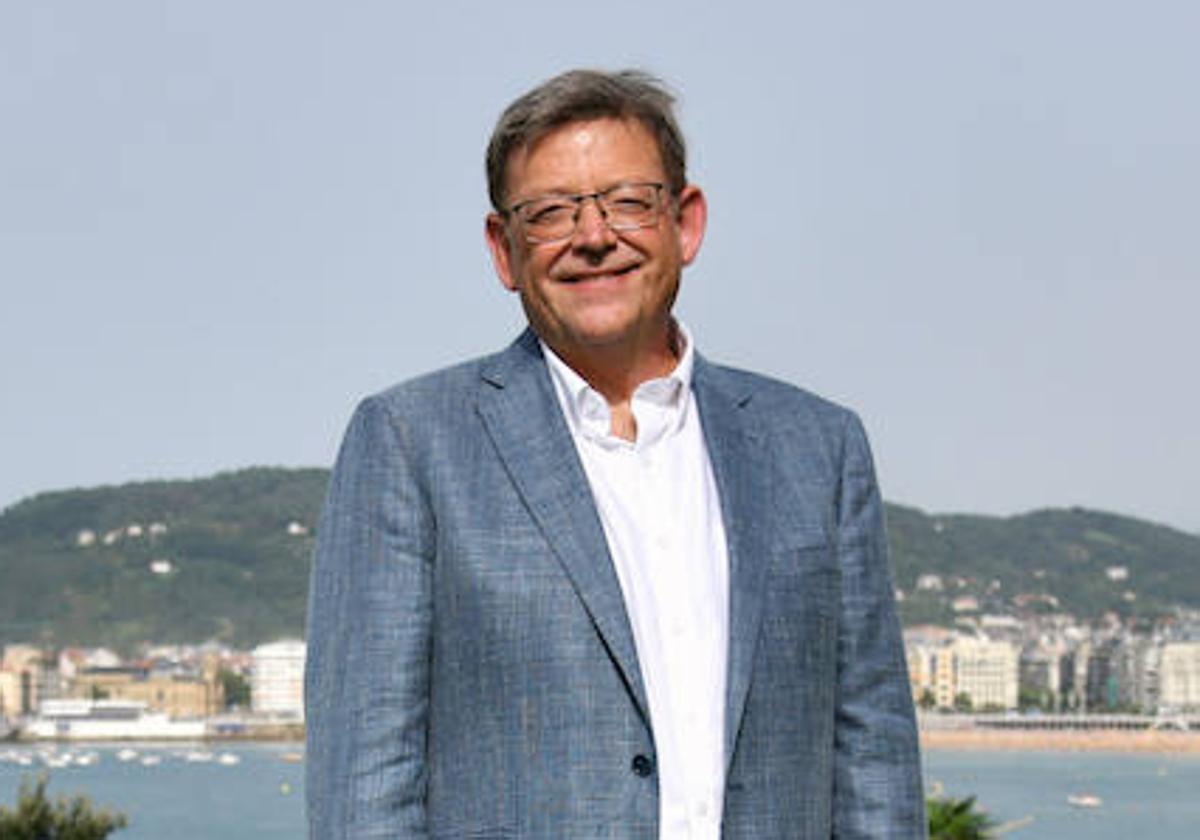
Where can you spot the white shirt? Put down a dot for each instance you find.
(658, 504)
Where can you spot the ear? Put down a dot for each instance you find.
(691, 220)
(495, 231)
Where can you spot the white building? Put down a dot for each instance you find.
(930, 583)
(987, 672)
(1179, 676)
(946, 664)
(277, 679)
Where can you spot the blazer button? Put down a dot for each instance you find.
(642, 765)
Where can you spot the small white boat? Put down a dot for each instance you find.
(228, 759)
(151, 760)
(126, 754)
(1084, 800)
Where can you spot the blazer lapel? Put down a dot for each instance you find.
(742, 471)
(522, 416)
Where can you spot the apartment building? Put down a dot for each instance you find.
(1179, 676)
(277, 679)
(947, 665)
(988, 672)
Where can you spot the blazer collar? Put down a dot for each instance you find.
(523, 418)
(742, 469)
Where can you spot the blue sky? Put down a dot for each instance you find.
(221, 224)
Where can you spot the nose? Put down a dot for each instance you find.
(591, 227)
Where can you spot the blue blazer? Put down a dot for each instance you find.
(471, 672)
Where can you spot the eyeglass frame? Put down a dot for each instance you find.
(578, 199)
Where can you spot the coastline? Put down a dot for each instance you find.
(270, 734)
(1023, 740)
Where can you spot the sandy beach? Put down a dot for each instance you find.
(1144, 741)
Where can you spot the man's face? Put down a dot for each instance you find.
(599, 288)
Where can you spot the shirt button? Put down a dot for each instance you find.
(642, 765)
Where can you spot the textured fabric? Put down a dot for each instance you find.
(472, 672)
(658, 504)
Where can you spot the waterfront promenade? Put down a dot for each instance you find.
(1163, 741)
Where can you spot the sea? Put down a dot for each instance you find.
(256, 791)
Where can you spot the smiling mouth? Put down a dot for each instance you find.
(593, 276)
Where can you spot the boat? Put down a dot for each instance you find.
(1084, 800)
(228, 759)
(73, 720)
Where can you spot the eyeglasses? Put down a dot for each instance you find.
(552, 218)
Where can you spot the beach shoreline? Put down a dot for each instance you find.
(1024, 740)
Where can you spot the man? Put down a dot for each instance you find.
(595, 586)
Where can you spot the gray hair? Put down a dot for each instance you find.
(585, 95)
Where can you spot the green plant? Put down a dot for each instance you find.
(236, 688)
(957, 819)
(37, 818)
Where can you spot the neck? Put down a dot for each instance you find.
(616, 370)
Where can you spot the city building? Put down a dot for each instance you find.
(1041, 682)
(987, 672)
(27, 676)
(1137, 662)
(179, 695)
(277, 679)
(951, 668)
(1179, 676)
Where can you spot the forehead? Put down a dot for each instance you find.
(584, 155)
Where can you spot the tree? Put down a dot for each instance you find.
(37, 818)
(1041, 699)
(236, 688)
(957, 819)
(962, 702)
(928, 700)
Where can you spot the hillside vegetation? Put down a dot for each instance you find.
(227, 558)
(228, 567)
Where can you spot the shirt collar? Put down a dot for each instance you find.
(659, 405)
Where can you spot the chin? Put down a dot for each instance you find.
(600, 334)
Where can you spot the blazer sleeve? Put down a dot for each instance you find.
(877, 772)
(369, 615)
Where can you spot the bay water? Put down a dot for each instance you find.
(184, 793)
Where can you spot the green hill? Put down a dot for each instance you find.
(227, 558)
(235, 572)
(1088, 562)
